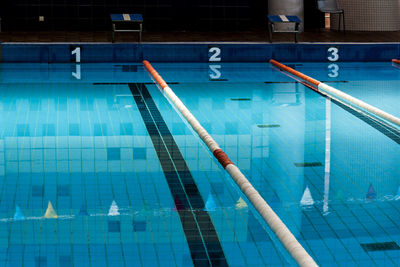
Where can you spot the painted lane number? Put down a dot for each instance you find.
(333, 54)
(215, 72)
(215, 54)
(77, 73)
(333, 70)
(77, 53)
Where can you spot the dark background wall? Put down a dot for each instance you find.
(313, 18)
(82, 15)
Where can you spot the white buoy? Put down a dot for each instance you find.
(113, 211)
(18, 215)
(307, 199)
(240, 204)
(50, 212)
(210, 204)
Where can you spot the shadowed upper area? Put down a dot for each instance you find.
(197, 36)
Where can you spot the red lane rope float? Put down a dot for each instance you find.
(396, 61)
(155, 74)
(295, 72)
(287, 239)
(222, 157)
(341, 96)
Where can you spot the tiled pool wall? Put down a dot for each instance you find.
(197, 52)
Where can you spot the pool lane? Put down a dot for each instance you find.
(199, 230)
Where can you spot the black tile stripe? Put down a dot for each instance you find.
(380, 246)
(270, 82)
(218, 80)
(390, 132)
(203, 241)
(268, 125)
(241, 99)
(308, 164)
(293, 66)
(382, 127)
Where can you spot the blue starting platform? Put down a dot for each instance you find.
(134, 19)
(273, 20)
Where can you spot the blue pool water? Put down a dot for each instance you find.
(130, 184)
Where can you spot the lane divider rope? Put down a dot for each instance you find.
(288, 240)
(396, 61)
(331, 91)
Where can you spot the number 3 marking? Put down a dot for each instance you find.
(216, 56)
(334, 54)
(333, 70)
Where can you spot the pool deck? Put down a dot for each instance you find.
(258, 35)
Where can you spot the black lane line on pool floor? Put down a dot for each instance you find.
(390, 132)
(202, 238)
(269, 82)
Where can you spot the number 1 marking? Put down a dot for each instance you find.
(77, 53)
(77, 73)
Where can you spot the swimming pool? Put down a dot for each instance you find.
(131, 184)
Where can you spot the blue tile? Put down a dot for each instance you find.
(139, 153)
(139, 226)
(126, 129)
(34, 105)
(254, 230)
(231, 128)
(100, 129)
(23, 130)
(63, 190)
(113, 153)
(218, 188)
(73, 129)
(65, 261)
(37, 190)
(41, 261)
(114, 226)
(48, 130)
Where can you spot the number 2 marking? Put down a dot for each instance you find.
(215, 72)
(216, 56)
(334, 54)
